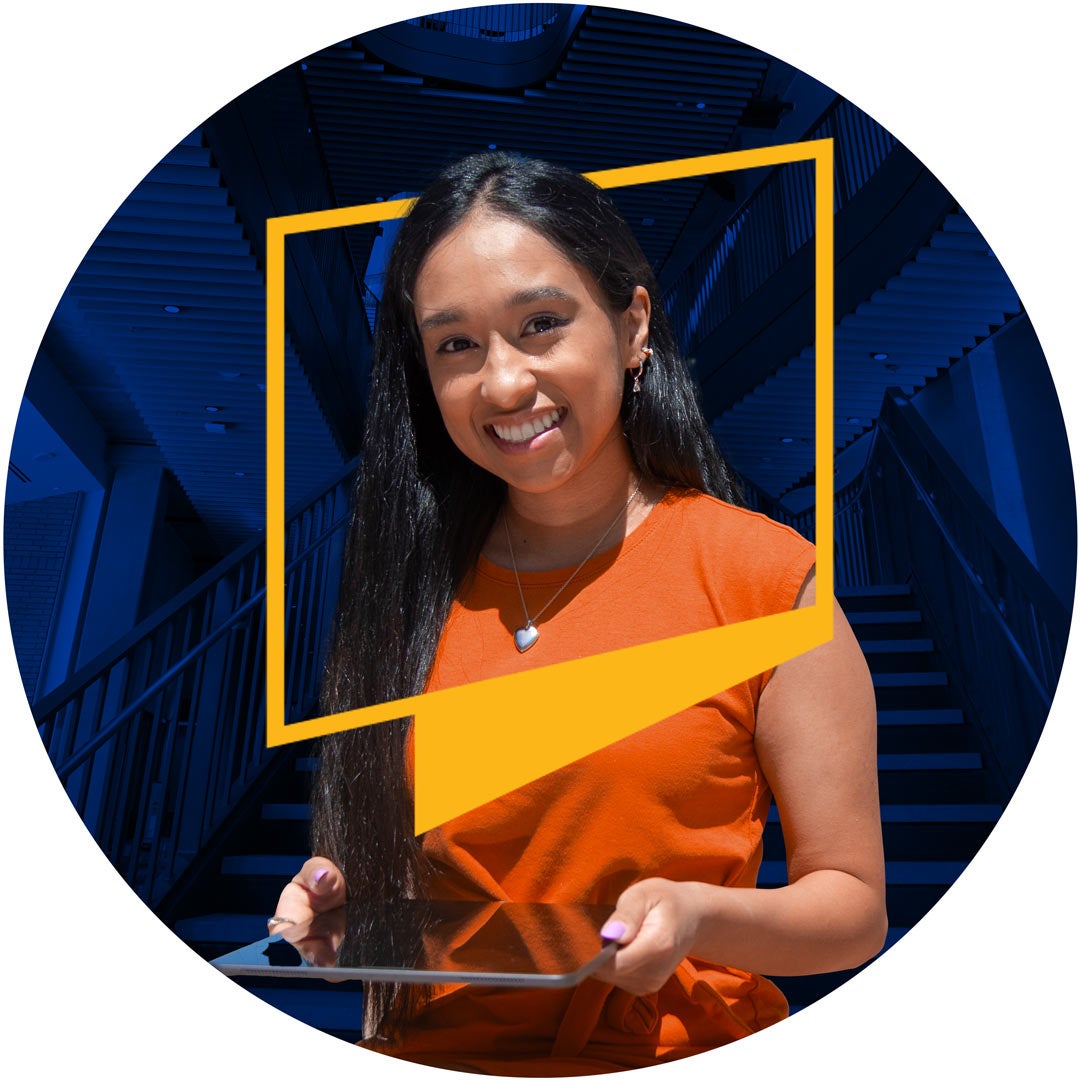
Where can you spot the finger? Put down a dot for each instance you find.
(293, 908)
(639, 966)
(323, 882)
(318, 887)
(630, 911)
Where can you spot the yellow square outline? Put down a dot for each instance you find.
(469, 744)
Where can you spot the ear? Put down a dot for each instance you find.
(635, 322)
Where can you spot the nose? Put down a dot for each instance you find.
(508, 378)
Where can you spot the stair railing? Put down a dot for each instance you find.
(158, 738)
(1001, 628)
(913, 516)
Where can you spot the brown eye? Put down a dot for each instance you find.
(454, 345)
(543, 324)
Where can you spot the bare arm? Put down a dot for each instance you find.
(816, 739)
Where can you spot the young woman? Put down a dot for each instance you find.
(538, 484)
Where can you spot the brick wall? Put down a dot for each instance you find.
(36, 539)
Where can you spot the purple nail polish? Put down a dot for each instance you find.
(613, 930)
(319, 875)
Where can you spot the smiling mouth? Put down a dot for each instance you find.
(515, 434)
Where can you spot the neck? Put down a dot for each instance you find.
(559, 529)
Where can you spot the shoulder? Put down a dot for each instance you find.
(745, 553)
(719, 522)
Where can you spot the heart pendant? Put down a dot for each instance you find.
(525, 637)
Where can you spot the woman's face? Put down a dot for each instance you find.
(526, 360)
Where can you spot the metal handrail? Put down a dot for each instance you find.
(157, 741)
(51, 701)
(974, 578)
(1000, 626)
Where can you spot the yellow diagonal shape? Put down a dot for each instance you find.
(477, 742)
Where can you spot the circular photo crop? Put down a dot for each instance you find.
(540, 539)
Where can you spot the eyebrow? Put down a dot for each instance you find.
(518, 299)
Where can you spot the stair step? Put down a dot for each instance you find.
(907, 904)
(933, 762)
(876, 618)
(909, 678)
(875, 598)
(896, 717)
(912, 695)
(859, 591)
(926, 740)
(223, 928)
(279, 866)
(899, 661)
(940, 813)
(901, 786)
(898, 645)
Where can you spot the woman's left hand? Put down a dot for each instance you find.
(656, 922)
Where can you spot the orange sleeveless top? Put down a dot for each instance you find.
(685, 799)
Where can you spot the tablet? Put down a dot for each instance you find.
(498, 944)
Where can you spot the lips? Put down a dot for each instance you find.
(515, 434)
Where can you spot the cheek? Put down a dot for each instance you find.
(454, 409)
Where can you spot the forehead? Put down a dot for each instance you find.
(487, 253)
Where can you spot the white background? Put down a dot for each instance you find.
(95, 94)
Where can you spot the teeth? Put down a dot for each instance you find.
(521, 433)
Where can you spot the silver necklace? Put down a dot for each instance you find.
(525, 636)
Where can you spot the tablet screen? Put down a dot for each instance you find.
(507, 944)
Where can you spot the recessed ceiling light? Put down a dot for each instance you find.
(239, 474)
(786, 439)
(879, 356)
(211, 408)
(701, 104)
(853, 420)
(648, 221)
(492, 146)
(172, 309)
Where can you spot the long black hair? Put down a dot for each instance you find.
(422, 512)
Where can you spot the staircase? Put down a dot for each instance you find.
(939, 804)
